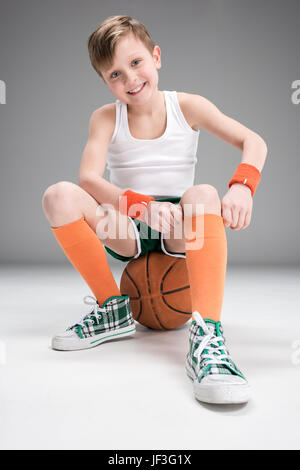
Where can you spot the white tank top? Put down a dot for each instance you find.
(156, 167)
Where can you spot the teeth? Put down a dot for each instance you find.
(137, 89)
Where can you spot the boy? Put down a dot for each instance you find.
(150, 140)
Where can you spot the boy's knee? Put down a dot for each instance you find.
(58, 195)
(202, 194)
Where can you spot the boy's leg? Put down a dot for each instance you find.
(74, 216)
(206, 251)
(215, 376)
(206, 263)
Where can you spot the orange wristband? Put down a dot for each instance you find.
(133, 204)
(248, 175)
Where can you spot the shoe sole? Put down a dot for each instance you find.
(74, 344)
(219, 395)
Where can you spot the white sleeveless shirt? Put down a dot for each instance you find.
(156, 167)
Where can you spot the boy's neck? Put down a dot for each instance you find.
(151, 108)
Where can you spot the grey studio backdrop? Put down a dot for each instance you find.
(241, 55)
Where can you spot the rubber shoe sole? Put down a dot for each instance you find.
(229, 394)
(74, 343)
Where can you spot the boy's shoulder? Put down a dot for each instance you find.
(107, 110)
(184, 98)
(186, 102)
(104, 114)
(197, 109)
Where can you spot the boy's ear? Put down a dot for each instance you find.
(156, 56)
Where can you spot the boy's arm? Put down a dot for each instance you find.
(205, 114)
(236, 206)
(92, 167)
(101, 128)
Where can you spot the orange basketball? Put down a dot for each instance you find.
(159, 290)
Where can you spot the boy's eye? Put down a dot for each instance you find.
(113, 74)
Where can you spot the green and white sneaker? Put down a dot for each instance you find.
(113, 320)
(208, 363)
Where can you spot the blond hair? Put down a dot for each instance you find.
(102, 42)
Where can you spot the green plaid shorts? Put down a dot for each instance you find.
(147, 238)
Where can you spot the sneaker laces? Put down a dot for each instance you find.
(216, 351)
(94, 313)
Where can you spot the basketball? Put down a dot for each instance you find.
(159, 290)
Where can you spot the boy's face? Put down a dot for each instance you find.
(133, 65)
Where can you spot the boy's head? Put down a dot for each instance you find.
(124, 55)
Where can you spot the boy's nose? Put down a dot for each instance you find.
(131, 81)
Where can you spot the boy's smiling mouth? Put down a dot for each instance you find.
(139, 89)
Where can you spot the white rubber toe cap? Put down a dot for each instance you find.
(222, 389)
(66, 334)
(66, 340)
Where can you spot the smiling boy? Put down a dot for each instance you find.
(148, 138)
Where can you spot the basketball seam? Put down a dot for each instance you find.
(176, 290)
(175, 309)
(149, 289)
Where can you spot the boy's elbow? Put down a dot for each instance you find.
(257, 140)
(262, 142)
(266, 147)
(85, 179)
(82, 180)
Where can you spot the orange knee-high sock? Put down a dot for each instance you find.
(85, 251)
(206, 264)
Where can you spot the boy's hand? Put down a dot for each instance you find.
(237, 207)
(162, 216)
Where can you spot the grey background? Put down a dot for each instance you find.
(241, 55)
